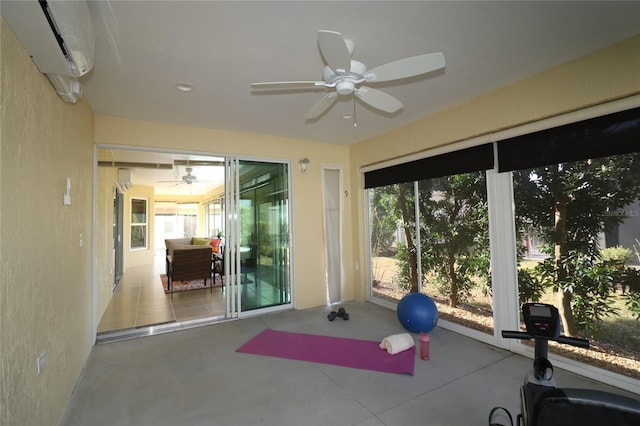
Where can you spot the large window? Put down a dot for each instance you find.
(440, 248)
(187, 216)
(214, 218)
(138, 223)
(563, 212)
(439, 245)
(174, 220)
(454, 247)
(576, 224)
(574, 186)
(393, 261)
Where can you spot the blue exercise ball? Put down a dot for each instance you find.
(417, 313)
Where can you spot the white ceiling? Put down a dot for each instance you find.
(144, 48)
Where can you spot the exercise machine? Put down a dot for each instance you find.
(544, 404)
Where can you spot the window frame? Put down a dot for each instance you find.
(135, 224)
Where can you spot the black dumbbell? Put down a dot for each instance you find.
(341, 313)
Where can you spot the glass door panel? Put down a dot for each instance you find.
(232, 240)
(257, 244)
(264, 252)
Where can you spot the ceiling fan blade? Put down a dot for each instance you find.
(335, 51)
(378, 99)
(407, 67)
(322, 105)
(288, 85)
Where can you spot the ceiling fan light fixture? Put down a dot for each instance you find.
(345, 87)
(184, 87)
(189, 178)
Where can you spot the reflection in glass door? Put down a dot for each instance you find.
(258, 257)
(118, 229)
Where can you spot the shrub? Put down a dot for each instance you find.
(402, 278)
(618, 256)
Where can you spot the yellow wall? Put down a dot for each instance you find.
(307, 231)
(45, 247)
(604, 76)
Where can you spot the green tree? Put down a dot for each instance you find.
(406, 204)
(393, 208)
(570, 204)
(454, 233)
(384, 217)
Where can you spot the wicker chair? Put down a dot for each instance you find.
(190, 264)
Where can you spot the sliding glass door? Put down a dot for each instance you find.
(257, 252)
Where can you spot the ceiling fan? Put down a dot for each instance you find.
(188, 178)
(345, 76)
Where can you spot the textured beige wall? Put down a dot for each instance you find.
(610, 74)
(45, 247)
(307, 228)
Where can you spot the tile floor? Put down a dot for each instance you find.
(195, 377)
(139, 301)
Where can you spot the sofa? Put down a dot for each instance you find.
(189, 259)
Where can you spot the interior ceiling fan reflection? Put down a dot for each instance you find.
(344, 76)
(189, 179)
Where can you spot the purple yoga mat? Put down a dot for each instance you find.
(362, 354)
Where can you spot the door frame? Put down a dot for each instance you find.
(95, 270)
(232, 264)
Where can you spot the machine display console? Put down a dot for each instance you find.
(541, 320)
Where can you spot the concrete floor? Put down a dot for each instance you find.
(195, 377)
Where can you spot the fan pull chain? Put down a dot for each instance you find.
(355, 122)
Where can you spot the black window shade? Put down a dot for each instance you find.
(613, 134)
(452, 163)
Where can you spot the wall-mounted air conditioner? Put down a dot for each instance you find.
(59, 37)
(124, 179)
